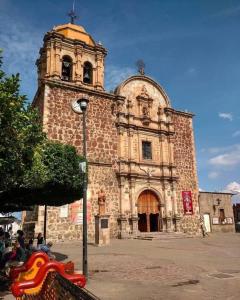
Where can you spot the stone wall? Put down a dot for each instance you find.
(185, 161)
(210, 205)
(62, 124)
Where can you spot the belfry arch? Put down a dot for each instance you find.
(149, 213)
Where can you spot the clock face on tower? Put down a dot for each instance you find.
(76, 106)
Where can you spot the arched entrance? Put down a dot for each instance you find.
(148, 212)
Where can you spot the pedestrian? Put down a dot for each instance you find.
(47, 249)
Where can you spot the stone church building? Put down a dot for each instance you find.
(140, 150)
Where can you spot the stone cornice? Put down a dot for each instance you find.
(57, 36)
(147, 164)
(80, 89)
(217, 193)
(102, 164)
(179, 112)
(146, 177)
(145, 129)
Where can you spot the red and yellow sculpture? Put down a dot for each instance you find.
(29, 278)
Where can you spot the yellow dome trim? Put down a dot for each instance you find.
(74, 32)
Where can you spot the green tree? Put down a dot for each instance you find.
(20, 132)
(33, 170)
(55, 169)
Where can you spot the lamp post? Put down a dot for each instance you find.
(83, 105)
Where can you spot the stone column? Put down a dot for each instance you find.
(177, 223)
(175, 208)
(57, 62)
(161, 221)
(132, 184)
(78, 65)
(122, 220)
(168, 201)
(99, 71)
(174, 198)
(134, 224)
(48, 60)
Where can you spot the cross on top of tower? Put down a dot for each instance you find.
(141, 66)
(72, 14)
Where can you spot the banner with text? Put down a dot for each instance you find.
(187, 202)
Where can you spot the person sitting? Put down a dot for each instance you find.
(17, 258)
(7, 255)
(40, 240)
(2, 244)
(47, 249)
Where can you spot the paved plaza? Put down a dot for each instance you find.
(165, 268)
(188, 268)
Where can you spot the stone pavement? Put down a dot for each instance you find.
(188, 268)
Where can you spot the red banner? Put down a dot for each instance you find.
(187, 202)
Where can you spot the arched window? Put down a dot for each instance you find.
(87, 73)
(66, 68)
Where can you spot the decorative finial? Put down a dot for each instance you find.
(141, 65)
(72, 14)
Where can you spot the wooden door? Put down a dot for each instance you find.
(148, 205)
(206, 219)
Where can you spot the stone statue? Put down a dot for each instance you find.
(145, 111)
(101, 202)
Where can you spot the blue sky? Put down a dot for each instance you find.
(191, 47)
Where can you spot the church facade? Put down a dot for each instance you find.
(140, 150)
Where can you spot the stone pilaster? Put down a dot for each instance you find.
(123, 222)
(134, 225)
(177, 220)
(99, 71)
(78, 65)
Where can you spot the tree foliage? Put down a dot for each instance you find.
(33, 170)
(55, 167)
(20, 132)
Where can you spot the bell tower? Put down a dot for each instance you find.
(70, 54)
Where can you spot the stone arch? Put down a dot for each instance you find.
(149, 211)
(87, 72)
(150, 188)
(67, 68)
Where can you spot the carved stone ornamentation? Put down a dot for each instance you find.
(101, 202)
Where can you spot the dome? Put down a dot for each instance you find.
(74, 32)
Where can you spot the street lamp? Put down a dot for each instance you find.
(83, 103)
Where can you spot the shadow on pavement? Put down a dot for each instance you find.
(60, 256)
(4, 287)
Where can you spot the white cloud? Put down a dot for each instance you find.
(232, 158)
(20, 44)
(191, 71)
(233, 187)
(236, 133)
(115, 75)
(215, 150)
(213, 175)
(227, 116)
